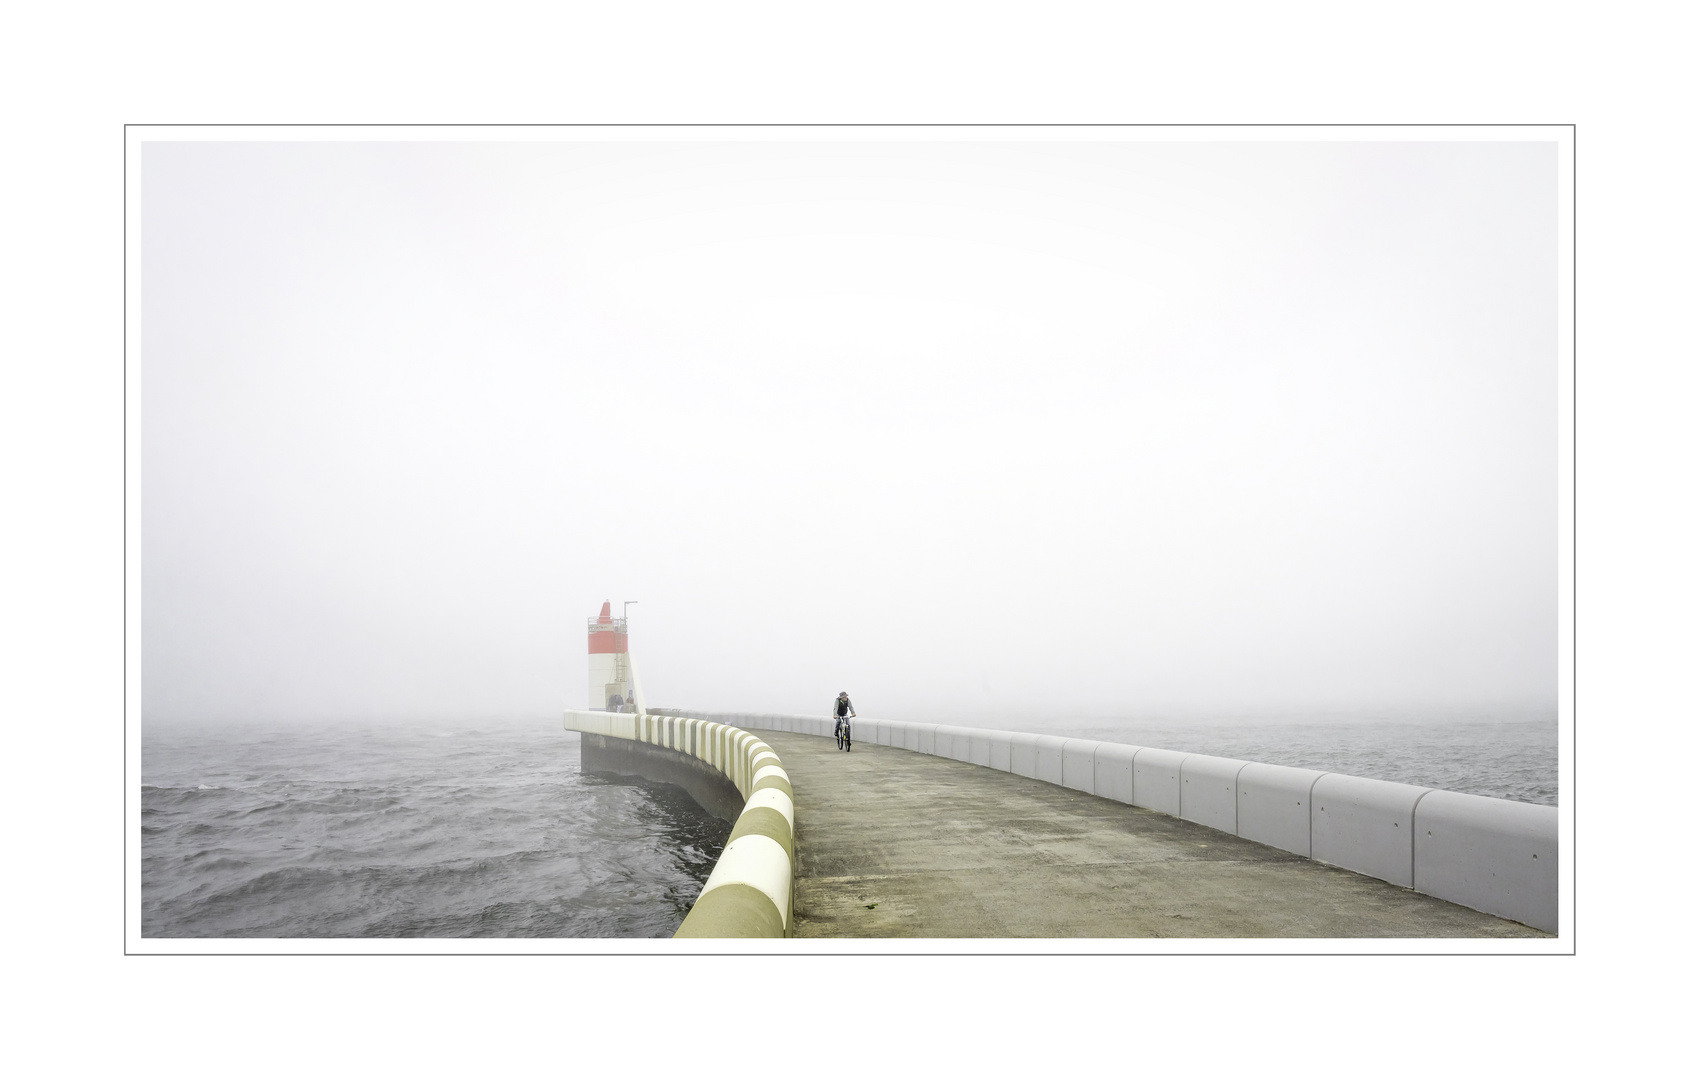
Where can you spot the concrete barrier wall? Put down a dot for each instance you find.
(1047, 759)
(1208, 795)
(951, 741)
(924, 737)
(1157, 780)
(980, 749)
(1364, 825)
(749, 892)
(1112, 771)
(1493, 855)
(1077, 765)
(1024, 754)
(1274, 806)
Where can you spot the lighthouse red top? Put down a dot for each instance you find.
(607, 634)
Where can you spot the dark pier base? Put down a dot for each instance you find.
(701, 781)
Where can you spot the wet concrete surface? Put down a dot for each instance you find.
(895, 844)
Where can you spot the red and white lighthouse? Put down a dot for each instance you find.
(610, 666)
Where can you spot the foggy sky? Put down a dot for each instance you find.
(967, 429)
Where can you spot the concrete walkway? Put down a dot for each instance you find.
(892, 843)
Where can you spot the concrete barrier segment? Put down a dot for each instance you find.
(774, 799)
(1077, 764)
(1493, 855)
(766, 821)
(967, 742)
(757, 861)
(734, 911)
(1024, 754)
(743, 753)
(1112, 771)
(945, 739)
(776, 779)
(590, 723)
(1047, 759)
(979, 748)
(1157, 780)
(925, 738)
(1208, 792)
(975, 746)
(1274, 805)
(1364, 825)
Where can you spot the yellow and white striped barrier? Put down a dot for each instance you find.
(748, 894)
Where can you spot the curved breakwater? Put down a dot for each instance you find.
(749, 894)
(1494, 855)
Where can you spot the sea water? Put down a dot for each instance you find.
(419, 831)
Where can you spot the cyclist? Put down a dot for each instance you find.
(843, 710)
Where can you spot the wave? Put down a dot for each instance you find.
(476, 834)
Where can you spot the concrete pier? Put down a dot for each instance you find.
(894, 844)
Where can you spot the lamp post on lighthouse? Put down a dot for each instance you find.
(634, 684)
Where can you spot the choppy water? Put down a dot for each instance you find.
(391, 831)
(491, 830)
